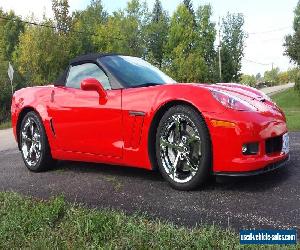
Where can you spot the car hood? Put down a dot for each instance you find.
(251, 95)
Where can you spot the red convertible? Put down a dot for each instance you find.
(121, 110)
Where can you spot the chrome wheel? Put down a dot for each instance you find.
(31, 145)
(180, 148)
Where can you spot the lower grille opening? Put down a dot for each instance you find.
(274, 145)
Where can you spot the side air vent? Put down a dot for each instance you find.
(52, 127)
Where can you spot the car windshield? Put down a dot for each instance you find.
(134, 71)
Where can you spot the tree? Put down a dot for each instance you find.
(283, 77)
(233, 45)
(41, 54)
(258, 77)
(292, 73)
(10, 30)
(61, 15)
(185, 63)
(297, 82)
(206, 36)
(189, 5)
(294, 76)
(272, 76)
(84, 24)
(157, 12)
(292, 42)
(110, 36)
(124, 31)
(292, 45)
(5, 93)
(133, 27)
(156, 35)
(248, 80)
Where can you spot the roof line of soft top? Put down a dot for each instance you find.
(90, 57)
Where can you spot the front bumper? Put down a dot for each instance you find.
(249, 127)
(268, 168)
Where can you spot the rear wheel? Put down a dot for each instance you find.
(34, 144)
(183, 148)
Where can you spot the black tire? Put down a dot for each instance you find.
(45, 160)
(200, 175)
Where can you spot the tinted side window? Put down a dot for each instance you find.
(88, 70)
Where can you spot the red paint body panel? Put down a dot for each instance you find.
(82, 125)
(84, 130)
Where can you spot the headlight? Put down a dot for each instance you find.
(232, 102)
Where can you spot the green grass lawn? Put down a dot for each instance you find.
(289, 101)
(30, 223)
(5, 125)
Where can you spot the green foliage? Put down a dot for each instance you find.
(292, 73)
(232, 47)
(292, 42)
(272, 76)
(41, 60)
(5, 125)
(283, 77)
(10, 30)
(189, 5)
(249, 80)
(123, 32)
(61, 15)
(206, 36)
(277, 77)
(5, 89)
(297, 82)
(258, 77)
(289, 101)
(9, 38)
(84, 25)
(55, 224)
(156, 35)
(110, 36)
(185, 61)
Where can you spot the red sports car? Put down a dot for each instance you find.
(121, 110)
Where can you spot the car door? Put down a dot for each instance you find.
(80, 122)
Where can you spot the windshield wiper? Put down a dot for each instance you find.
(148, 84)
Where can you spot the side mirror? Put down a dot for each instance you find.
(92, 84)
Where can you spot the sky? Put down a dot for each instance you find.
(266, 22)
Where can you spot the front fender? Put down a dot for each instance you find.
(32, 99)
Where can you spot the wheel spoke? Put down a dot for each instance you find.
(177, 128)
(38, 146)
(190, 164)
(25, 137)
(32, 129)
(193, 138)
(175, 163)
(36, 136)
(36, 151)
(30, 152)
(165, 143)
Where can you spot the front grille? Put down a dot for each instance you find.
(274, 145)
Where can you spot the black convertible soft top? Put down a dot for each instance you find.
(93, 57)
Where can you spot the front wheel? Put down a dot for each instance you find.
(34, 144)
(183, 148)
